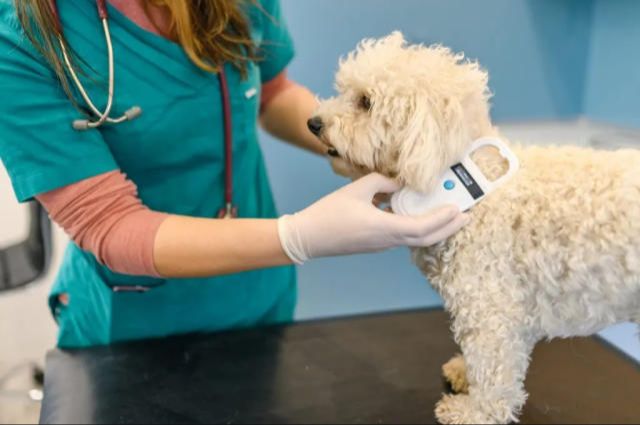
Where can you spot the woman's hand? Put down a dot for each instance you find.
(347, 222)
(344, 169)
(344, 222)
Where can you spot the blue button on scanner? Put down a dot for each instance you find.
(449, 184)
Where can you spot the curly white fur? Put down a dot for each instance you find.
(553, 253)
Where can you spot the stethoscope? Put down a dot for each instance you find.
(103, 117)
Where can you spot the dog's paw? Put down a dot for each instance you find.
(460, 409)
(457, 409)
(465, 409)
(455, 372)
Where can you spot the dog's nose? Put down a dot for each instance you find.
(315, 125)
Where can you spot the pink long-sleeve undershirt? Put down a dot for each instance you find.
(103, 214)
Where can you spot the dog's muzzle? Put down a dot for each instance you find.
(315, 125)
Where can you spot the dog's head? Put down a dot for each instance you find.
(408, 112)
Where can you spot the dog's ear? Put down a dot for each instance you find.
(434, 136)
(446, 115)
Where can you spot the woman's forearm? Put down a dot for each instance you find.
(285, 117)
(198, 247)
(104, 216)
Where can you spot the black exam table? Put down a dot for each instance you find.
(374, 369)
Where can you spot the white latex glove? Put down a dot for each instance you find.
(344, 169)
(347, 222)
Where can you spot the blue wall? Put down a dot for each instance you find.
(537, 53)
(613, 82)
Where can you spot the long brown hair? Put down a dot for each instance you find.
(211, 32)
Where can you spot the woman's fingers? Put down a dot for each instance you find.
(374, 183)
(443, 232)
(425, 230)
(440, 233)
(416, 228)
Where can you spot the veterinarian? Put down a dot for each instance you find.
(151, 164)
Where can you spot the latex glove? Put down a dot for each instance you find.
(344, 169)
(347, 222)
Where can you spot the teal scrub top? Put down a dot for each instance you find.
(174, 153)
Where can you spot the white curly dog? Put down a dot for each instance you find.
(555, 252)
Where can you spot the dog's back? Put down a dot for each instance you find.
(563, 236)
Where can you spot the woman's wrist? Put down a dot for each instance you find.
(292, 244)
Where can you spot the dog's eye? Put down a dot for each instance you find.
(364, 102)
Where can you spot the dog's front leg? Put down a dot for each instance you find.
(496, 354)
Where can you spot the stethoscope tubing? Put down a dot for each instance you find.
(102, 116)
